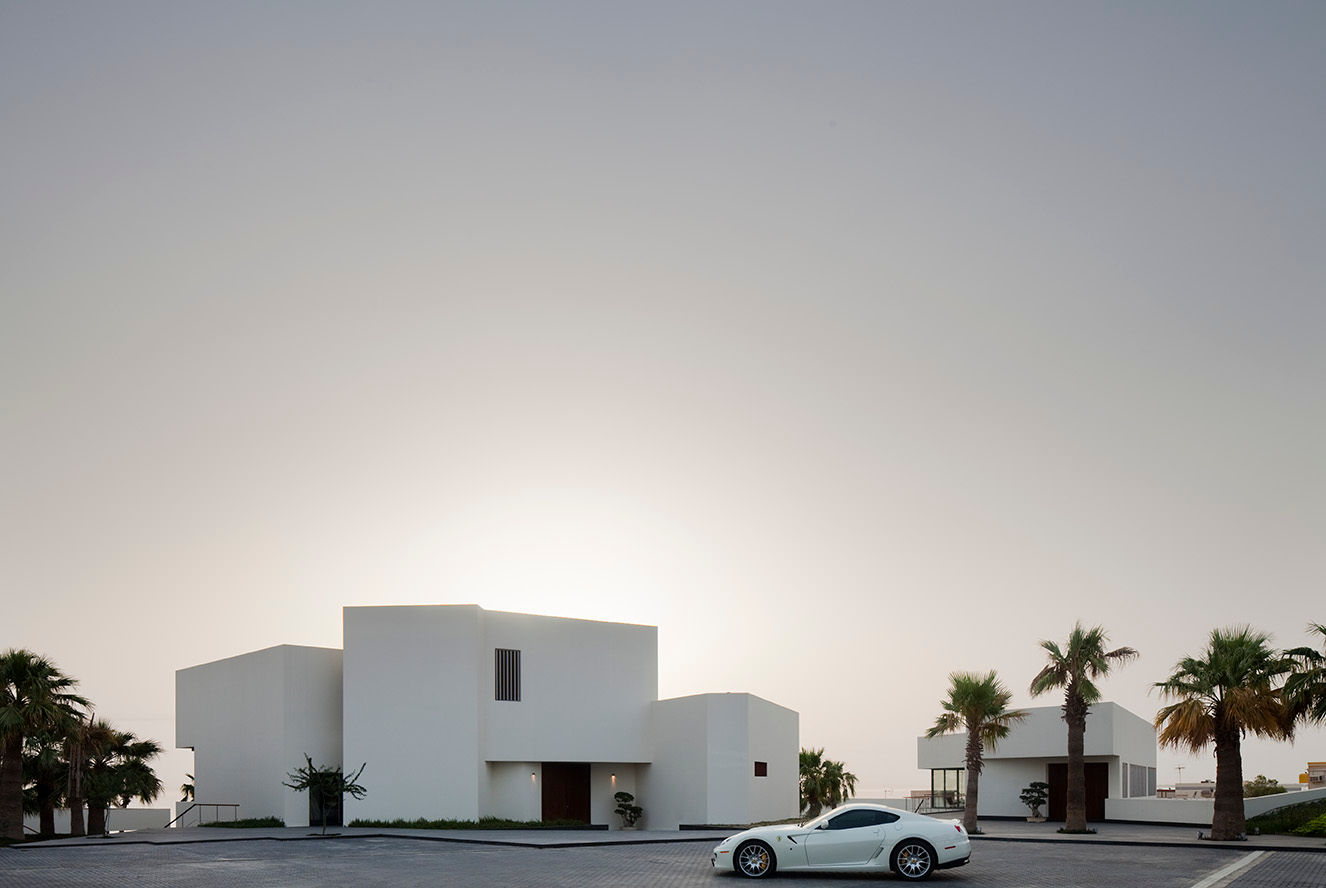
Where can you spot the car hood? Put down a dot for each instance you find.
(777, 829)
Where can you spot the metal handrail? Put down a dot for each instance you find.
(217, 805)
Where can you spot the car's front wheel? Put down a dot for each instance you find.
(754, 860)
(914, 860)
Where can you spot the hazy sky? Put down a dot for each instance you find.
(849, 343)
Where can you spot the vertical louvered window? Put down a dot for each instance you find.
(506, 674)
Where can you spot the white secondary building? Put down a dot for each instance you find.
(1120, 753)
(462, 713)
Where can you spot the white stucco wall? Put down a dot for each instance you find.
(775, 738)
(251, 718)
(411, 685)
(1003, 781)
(427, 671)
(586, 689)
(704, 753)
(602, 786)
(513, 790)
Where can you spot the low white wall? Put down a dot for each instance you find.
(1157, 810)
(197, 813)
(1199, 811)
(1262, 804)
(117, 819)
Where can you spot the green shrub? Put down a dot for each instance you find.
(481, 823)
(1283, 821)
(247, 823)
(1314, 827)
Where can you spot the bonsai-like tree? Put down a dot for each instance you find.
(325, 785)
(978, 705)
(629, 812)
(1035, 795)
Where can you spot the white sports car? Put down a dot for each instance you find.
(859, 838)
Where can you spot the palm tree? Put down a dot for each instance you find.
(34, 695)
(1306, 688)
(46, 774)
(1229, 691)
(1075, 668)
(78, 738)
(824, 783)
(977, 704)
(117, 772)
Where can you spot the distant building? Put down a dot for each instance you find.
(1204, 789)
(462, 713)
(1120, 753)
(1314, 777)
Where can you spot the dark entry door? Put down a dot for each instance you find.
(1098, 788)
(566, 791)
(317, 802)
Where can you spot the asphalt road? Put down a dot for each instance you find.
(400, 863)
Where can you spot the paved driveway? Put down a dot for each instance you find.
(400, 863)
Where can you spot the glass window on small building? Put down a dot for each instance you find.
(948, 787)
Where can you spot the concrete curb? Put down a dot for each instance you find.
(341, 837)
(1161, 843)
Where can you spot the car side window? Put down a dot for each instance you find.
(882, 817)
(853, 819)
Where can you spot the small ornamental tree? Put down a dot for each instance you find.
(627, 809)
(1035, 795)
(325, 785)
(1260, 786)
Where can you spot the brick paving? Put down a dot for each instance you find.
(1280, 870)
(371, 861)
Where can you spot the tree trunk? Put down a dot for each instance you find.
(1075, 808)
(1227, 823)
(973, 781)
(76, 827)
(74, 794)
(11, 788)
(96, 820)
(47, 825)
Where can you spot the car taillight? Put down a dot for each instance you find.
(958, 827)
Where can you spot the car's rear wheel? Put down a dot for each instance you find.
(754, 860)
(913, 859)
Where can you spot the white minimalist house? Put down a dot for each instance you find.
(1120, 753)
(462, 713)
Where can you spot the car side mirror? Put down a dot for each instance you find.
(824, 825)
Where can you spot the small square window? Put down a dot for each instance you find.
(761, 769)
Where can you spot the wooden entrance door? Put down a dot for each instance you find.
(566, 791)
(1098, 789)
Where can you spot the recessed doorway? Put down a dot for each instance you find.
(566, 791)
